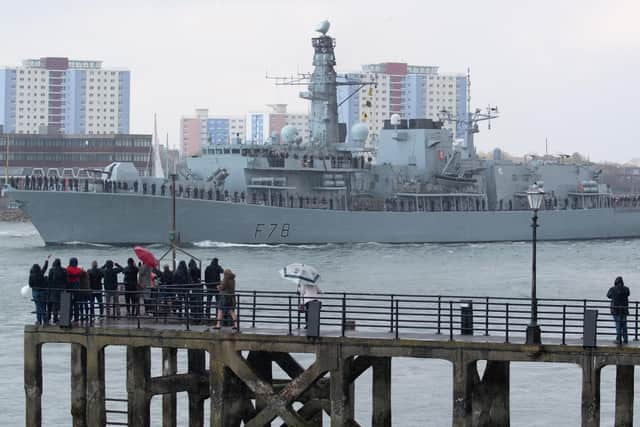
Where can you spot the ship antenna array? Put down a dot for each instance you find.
(303, 79)
(470, 123)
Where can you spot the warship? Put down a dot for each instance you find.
(418, 185)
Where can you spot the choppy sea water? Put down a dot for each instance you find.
(541, 394)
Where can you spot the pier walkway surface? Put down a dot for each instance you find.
(234, 370)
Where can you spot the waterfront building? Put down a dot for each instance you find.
(71, 155)
(412, 91)
(60, 95)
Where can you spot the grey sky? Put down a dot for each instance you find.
(565, 70)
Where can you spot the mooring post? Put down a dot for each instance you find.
(225, 390)
(33, 380)
(491, 396)
(138, 386)
(196, 365)
(341, 394)
(79, 385)
(590, 391)
(381, 390)
(463, 380)
(624, 395)
(96, 411)
(260, 362)
(169, 401)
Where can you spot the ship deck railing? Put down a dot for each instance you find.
(390, 316)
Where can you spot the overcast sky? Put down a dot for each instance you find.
(562, 70)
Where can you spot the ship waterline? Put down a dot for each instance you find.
(122, 219)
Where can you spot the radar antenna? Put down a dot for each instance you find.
(470, 122)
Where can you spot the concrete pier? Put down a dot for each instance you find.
(239, 384)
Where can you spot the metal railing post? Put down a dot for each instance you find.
(391, 307)
(290, 319)
(439, 331)
(187, 308)
(564, 323)
(237, 312)
(253, 313)
(486, 317)
(344, 312)
(450, 320)
(506, 324)
(636, 328)
(298, 310)
(397, 319)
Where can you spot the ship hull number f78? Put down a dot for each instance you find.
(268, 231)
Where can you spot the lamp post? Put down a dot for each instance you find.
(535, 196)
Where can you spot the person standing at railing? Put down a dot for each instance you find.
(212, 275)
(131, 296)
(95, 282)
(110, 274)
(73, 285)
(309, 292)
(195, 298)
(227, 290)
(57, 282)
(38, 285)
(84, 297)
(144, 284)
(619, 296)
(182, 283)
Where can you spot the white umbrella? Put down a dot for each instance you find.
(300, 273)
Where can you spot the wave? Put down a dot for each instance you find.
(212, 244)
(79, 243)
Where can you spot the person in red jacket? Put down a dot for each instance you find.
(73, 284)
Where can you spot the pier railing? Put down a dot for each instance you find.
(391, 316)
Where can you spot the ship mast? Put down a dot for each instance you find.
(322, 89)
(470, 122)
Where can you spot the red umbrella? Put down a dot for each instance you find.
(146, 256)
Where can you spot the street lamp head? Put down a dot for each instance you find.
(535, 196)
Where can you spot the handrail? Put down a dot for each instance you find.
(393, 314)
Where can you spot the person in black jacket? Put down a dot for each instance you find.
(182, 281)
(57, 283)
(619, 296)
(212, 279)
(38, 285)
(110, 276)
(131, 297)
(95, 283)
(195, 300)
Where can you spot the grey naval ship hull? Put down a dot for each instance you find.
(123, 219)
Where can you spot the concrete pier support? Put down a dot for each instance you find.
(624, 395)
(261, 363)
(490, 396)
(33, 381)
(95, 403)
(590, 391)
(78, 385)
(341, 394)
(169, 401)
(381, 392)
(464, 374)
(138, 386)
(196, 366)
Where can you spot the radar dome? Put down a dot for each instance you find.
(289, 134)
(359, 132)
(395, 119)
(323, 27)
